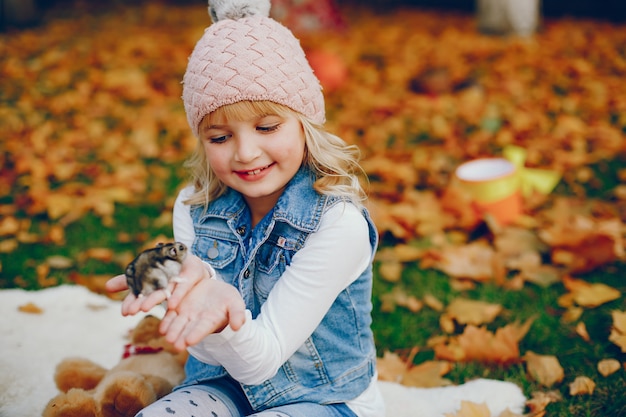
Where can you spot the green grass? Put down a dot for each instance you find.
(400, 330)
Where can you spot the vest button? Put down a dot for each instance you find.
(246, 273)
(241, 230)
(213, 253)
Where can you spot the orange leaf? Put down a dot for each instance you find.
(473, 261)
(590, 295)
(607, 367)
(581, 330)
(9, 226)
(428, 374)
(618, 331)
(479, 344)
(470, 409)
(399, 298)
(433, 302)
(544, 369)
(540, 400)
(391, 367)
(390, 271)
(582, 385)
(582, 243)
(400, 253)
(474, 312)
(30, 308)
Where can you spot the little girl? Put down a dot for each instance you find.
(275, 299)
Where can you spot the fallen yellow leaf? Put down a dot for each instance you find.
(540, 400)
(618, 330)
(475, 312)
(581, 329)
(544, 369)
(390, 271)
(607, 367)
(479, 344)
(30, 308)
(428, 374)
(582, 385)
(470, 409)
(590, 295)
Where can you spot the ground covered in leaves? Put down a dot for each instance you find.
(94, 136)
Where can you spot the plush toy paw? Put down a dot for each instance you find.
(73, 403)
(126, 394)
(78, 373)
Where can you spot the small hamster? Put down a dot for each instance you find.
(154, 268)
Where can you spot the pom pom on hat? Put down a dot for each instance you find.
(237, 9)
(246, 55)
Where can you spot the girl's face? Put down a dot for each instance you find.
(256, 157)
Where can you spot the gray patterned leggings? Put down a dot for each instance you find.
(224, 398)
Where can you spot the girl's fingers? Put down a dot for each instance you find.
(133, 305)
(237, 317)
(175, 328)
(193, 272)
(232, 314)
(116, 284)
(202, 327)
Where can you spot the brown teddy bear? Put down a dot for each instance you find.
(150, 368)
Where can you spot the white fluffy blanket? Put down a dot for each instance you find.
(77, 322)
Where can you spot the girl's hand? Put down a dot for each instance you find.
(192, 272)
(131, 304)
(198, 305)
(207, 308)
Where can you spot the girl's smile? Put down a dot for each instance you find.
(255, 174)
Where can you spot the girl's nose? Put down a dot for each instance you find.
(247, 149)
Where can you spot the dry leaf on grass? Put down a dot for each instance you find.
(572, 314)
(608, 367)
(479, 344)
(618, 330)
(581, 330)
(399, 298)
(540, 400)
(399, 253)
(390, 271)
(586, 294)
(582, 243)
(544, 369)
(472, 261)
(391, 367)
(476, 312)
(427, 374)
(582, 385)
(433, 302)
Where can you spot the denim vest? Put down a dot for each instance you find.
(337, 362)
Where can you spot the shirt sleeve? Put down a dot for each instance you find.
(332, 258)
(181, 218)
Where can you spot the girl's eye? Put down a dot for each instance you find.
(218, 139)
(270, 128)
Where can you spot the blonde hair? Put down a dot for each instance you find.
(333, 162)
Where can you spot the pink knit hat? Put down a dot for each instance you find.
(248, 56)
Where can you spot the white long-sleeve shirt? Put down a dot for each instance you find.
(296, 304)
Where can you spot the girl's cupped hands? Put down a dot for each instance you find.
(197, 307)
